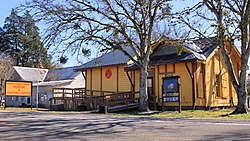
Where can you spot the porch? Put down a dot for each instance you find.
(82, 99)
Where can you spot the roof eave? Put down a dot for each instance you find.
(84, 69)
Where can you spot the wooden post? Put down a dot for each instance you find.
(73, 105)
(162, 105)
(106, 105)
(126, 101)
(179, 91)
(63, 100)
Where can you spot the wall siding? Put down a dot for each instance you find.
(96, 80)
(111, 83)
(186, 84)
(185, 80)
(88, 83)
(216, 66)
(123, 81)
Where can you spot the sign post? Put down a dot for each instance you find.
(171, 91)
(18, 88)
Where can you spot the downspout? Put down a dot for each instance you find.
(192, 77)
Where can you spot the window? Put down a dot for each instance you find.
(151, 72)
(28, 100)
(218, 85)
(42, 96)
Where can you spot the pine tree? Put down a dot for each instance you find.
(21, 40)
(11, 37)
(33, 49)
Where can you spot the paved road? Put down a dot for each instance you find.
(99, 127)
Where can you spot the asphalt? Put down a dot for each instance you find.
(100, 127)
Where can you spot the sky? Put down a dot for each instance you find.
(7, 5)
(5, 9)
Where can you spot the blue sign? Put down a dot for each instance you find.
(142, 85)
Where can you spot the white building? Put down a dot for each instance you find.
(44, 82)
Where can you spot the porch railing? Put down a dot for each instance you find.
(73, 99)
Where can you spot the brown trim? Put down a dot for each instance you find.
(91, 88)
(204, 85)
(130, 80)
(85, 80)
(117, 78)
(84, 76)
(204, 79)
(194, 68)
(133, 78)
(174, 68)
(165, 73)
(133, 81)
(166, 70)
(154, 83)
(101, 82)
(158, 79)
(191, 74)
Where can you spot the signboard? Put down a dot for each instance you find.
(170, 85)
(171, 99)
(171, 91)
(14, 88)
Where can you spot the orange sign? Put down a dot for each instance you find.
(14, 88)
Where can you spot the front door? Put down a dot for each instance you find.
(151, 96)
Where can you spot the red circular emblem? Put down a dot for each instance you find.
(108, 73)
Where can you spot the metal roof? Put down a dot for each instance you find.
(51, 83)
(115, 57)
(166, 54)
(196, 50)
(30, 74)
(62, 74)
(163, 54)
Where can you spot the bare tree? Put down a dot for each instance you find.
(109, 24)
(6, 68)
(229, 20)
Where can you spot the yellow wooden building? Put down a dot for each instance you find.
(204, 80)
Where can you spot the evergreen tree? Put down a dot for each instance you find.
(33, 49)
(11, 37)
(21, 40)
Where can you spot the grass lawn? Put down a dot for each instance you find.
(19, 109)
(222, 113)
